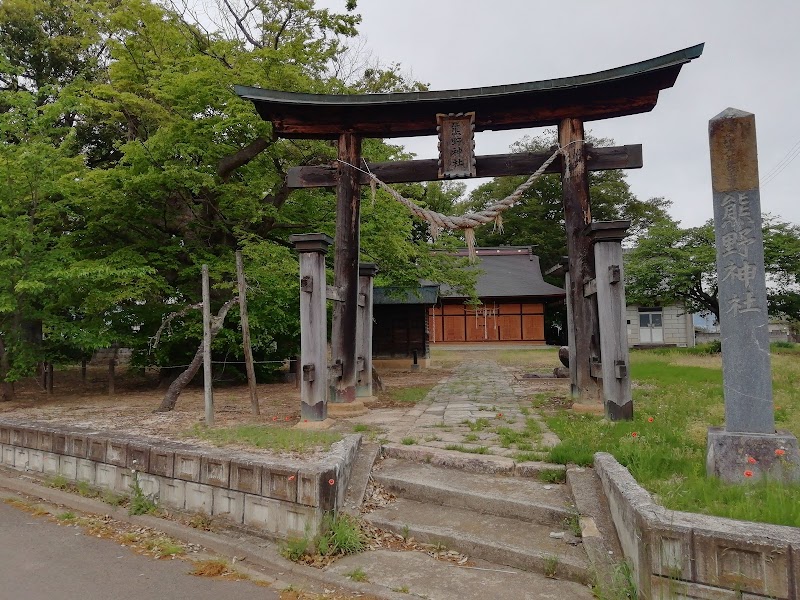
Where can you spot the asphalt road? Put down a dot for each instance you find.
(41, 560)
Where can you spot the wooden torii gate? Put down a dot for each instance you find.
(454, 115)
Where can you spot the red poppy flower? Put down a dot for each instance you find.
(634, 434)
(499, 415)
(331, 481)
(748, 473)
(650, 419)
(780, 452)
(751, 460)
(274, 418)
(287, 419)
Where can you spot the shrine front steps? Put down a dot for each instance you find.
(506, 520)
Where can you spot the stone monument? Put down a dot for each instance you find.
(748, 447)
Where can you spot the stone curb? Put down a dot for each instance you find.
(219, 543)
(597, 528)
(674, 552)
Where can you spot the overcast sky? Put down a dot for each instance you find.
(751, 62)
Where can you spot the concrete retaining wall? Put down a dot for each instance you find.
(283, 497)
(685, 555)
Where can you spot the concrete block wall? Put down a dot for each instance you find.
(283, 497)
(685, 555)
(678, 327)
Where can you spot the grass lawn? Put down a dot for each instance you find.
(677, 395)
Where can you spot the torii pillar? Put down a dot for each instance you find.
(584, 323)
(345, 268)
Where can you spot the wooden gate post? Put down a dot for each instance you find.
(345, 267)
(313, 368)
(366, 275)
(577, 214)
(607, 237)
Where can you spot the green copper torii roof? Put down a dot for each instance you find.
(616, 92)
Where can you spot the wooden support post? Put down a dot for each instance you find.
(607, 237)
(248, 350)
(345, 267)
(83, 371)
(577, 214)
(208, 392)
(366, 275)
(573, 362)
(312, 370)
(50, 372)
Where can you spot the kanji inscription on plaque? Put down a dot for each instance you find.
(456, 145)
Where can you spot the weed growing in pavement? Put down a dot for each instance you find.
(360, 428)
(113, 498)
(552, 475)
(527, 457)
(468, 449)
(404, 532)
(163, 547)
(573, 523)
(339, 535)
(477, 424)
(357, 574)
(621, 587)
(58, 482)
(408, 441)
(403, 589)
(67, 515)
(84, 489)
(471, 437)
(202, 521)
(550, 566)
(140, 503)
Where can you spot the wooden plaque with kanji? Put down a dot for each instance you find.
(456, 145)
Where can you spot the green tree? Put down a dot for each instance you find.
(538, 219)
(130, 163)
(672, 264)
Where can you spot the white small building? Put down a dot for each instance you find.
(659, 326)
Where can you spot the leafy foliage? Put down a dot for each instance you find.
(671, 264)
(128, 162)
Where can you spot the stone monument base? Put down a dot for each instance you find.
(316, 425)
(735, 457)
(347, 409)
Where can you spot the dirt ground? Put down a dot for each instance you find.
(136, 395)
(131, 407)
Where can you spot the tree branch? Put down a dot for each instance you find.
(227, 165)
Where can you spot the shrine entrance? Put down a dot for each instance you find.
(593, 269)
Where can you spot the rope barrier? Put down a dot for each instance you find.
(468, 221)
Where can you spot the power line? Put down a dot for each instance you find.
(787, 159)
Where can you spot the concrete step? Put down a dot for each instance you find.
(488, 537)
(513, 497)
(465, 461)
(425, 577)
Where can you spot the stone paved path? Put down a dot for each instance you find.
(480, 408)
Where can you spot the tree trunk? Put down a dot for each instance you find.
(177, 386)
(6, 387)
(248, 349)
(50, 371)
